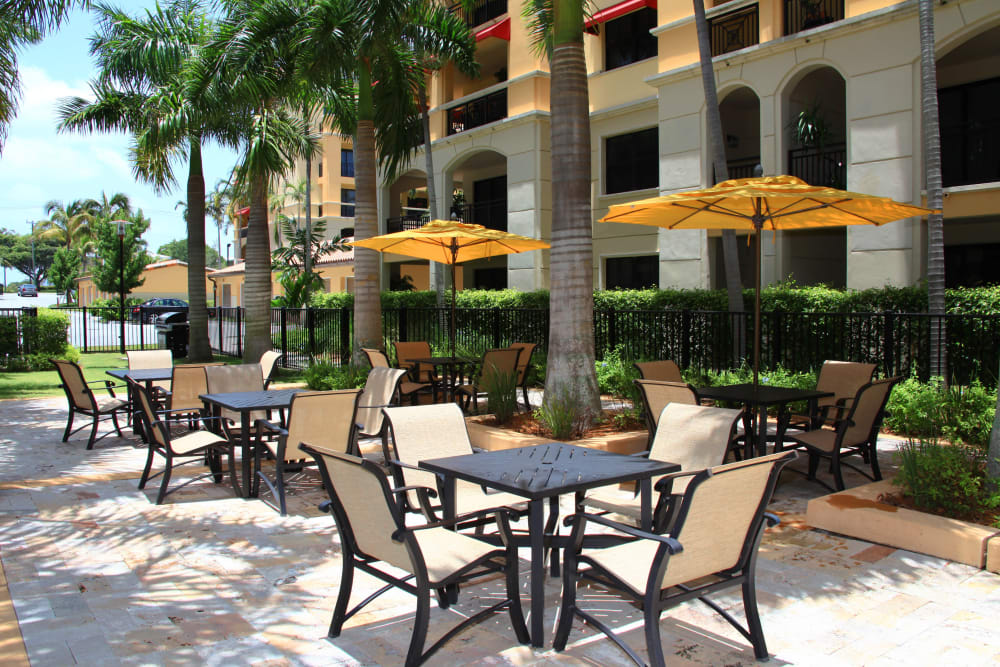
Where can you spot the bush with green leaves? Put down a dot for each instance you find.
(43, 335)
(615, 376)
(107, 309)
(324, 376)
(930, 411)
(38, 362)
(561, 416)
(947, 479)
(501, 394)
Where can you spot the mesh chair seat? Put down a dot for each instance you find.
(447, 551)
(822, 439)
(197, 440)
(470, 497)
(106, 404)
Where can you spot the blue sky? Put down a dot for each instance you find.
(38, 164)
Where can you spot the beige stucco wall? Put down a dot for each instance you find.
(169, 282)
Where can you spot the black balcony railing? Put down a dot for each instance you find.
(827, 167)
(481, 12)
(805, 14)
(404, 222)
(734, 30)
(479, 111)
(741, 168)
(490, 213)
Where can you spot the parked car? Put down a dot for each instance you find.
(150, 309)
(27, 290)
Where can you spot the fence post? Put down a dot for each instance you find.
(685, 338)
(312, 332)
(239, 332)
(142, 330)
(284, 334)
(403, 337)
(496, 327)
(776, 338)
(85, 329)
(612, 328)
(218, 320)
(888, 343)
(345, 336)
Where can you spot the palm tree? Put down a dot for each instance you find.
(24, 22)
(570, 378)
(932, 173)
(217, 206)
(730, 257)
(70, 225)
(144, 88)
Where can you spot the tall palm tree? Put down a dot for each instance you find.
(22, 23)
(570, 377)
(932, 174)
(70, 225)
(144, 88)
(217, 206)
(730, 256)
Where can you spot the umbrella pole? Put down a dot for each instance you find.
(756, 308)
(451, 330)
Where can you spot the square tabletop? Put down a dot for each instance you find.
(541, 471)
(761, 394)
(239, 401)
(142, 374)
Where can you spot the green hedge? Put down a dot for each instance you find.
(40, 337)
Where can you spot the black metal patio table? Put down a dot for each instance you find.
(451, 367)
(146, 376)
(757, 399)
(246, 402)
(546, 471)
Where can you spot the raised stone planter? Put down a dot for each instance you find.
(857, 513)
(491, 437)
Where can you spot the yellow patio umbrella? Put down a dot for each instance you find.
(765, 202)
(451, 242)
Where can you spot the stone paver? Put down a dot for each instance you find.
(97, 574)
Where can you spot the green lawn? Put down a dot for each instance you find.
(46, 383)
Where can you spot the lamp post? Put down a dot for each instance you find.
(228, 246)
(121, 277)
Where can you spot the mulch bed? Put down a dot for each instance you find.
(525, 422)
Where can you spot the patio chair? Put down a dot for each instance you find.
(140, 359)
(843, 378)
(324, 419)
(656, 394)
(428, 432)
(236, 378)
(664, 371)
(523, 368)
(268, 362)
(853, 431)
(713, 546)
(81, 400)
(381, 389)
(373, 530)
(694, 436)
(416, 350)
(195, 447)
(187, 383)
(495, 365)
(407, 387)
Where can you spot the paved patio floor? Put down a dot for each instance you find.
(98, 574)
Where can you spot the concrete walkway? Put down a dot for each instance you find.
(97, 574)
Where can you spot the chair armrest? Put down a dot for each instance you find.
(415, 487)
(771, 520)
(667, 481)
(643, 454)
(265, 425)
(579, 520)
(481, 514)
(394, 462)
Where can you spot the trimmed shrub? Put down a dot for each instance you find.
(947, 479)
(324, 376)
(929, 411)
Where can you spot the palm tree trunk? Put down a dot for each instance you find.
(257, 279)
(734, 283)
(367, 298)
(308, 195)
(570, 375)
(436, 267)
(198, 345)
(932, 171)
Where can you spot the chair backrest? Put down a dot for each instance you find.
(154, 427)
(657, 394)
(524, 360)
(843, 378)
(187, 383)
(75, 386)
(366, 514)
(421, 432)
(501, 361)
(324, 419)
(268, 362)
(380, 387)
(720, 517)
(232, 379)
(694, 436)
(414, 350)
(665, 371)
(140, 359)
(866, 410)
(376, 358)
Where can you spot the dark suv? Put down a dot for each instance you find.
(150, 309)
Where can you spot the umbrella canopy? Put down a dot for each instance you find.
(451, 242)
(767, 202)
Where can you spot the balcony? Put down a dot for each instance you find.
(734, 30)
(490, 213)
(480, 111)
(481, 11)
(741, 168)
(805, 14)
(404, 223)
(827, 168)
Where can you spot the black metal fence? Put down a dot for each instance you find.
(801, 15)
(480, 111)
(734, 30)
(480, 12)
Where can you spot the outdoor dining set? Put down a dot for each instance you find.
(423, 511)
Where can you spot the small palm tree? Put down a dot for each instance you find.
(70, 225)
(217, 207)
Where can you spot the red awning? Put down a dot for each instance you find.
(243, 211)
(500, 30)
(614, 11)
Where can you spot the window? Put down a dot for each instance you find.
(494, 278)
(631, 161)
(632, 272)
(346, 201)
(347, 162)
(627, 39)
(319, 169)
(970, 126)
(319, 213)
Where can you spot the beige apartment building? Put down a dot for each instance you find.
(849, 67)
